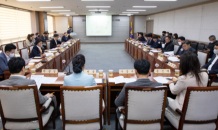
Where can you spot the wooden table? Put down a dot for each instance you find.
(55, 87)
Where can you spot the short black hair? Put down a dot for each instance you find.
(170, 34)
(38, 41)
(155, 37)
(16, 64)
(186, 42)
(148, 35)
(169, 37)
(78, 63)
(56, 35)
(55, 31)
(10, 47)
(142, 66)
(164, 32)
(45, 32)
(181, 38)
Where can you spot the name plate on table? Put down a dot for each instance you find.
(160, 58)
(49, 58)
(172, 65)
(38, 65)
(151, 53)
(90, 71)
(123, 71)
(162, 71)
(131, 71)
(49, 71)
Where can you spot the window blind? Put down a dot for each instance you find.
(15, 25)
(50, 25)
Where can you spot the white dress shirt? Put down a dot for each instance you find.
(8, 57)
(214, 61)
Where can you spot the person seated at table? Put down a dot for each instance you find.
(55, 32)
(212, 65)
(191, 75)
(142, 71)
(37, 49)
(16, 67)
(30, 40)
(55, 42)
(171, 35)
(175, 39)
(210, 47)
(168, 46)
(141, 37)
(44, 37)
(6, 56)
(181, 40)
(149, 39)
(79, 78)
(156, 42)
(37, 36)
(186, 46)
(64, 38)
(163, 37)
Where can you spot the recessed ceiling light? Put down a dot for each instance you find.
(160, 0)
(98, 13)
(98, 6)
(68, 13)
(134, 10)
(32, 0)
(130, 12)
(98, 10)
(60, 10)
(97, 0)
(144, 6)
(52, 7)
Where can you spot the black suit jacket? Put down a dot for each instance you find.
(35, 52)
(168, 47)
(53, 43)
(150, 42)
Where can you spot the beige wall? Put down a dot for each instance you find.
(61, 24)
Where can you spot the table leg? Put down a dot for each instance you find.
(109, 105)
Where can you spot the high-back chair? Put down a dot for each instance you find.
(48, 44)
(30, 49)
(201, 46)
(176, 47)
(20, 108)
(194, 45)
(199, 112)
(144, 108)
(81, 107)
(20, 45)
(24, 53)
(203, 57)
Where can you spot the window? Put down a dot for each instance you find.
(50, 25)
(15, 25)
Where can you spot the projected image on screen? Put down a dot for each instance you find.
(98, 25)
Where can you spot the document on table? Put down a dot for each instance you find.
(48, 80)
(155, 51)
(40, 79)
(49, 54)
(35, 60)
(174, 59)
(121, 79)
(98, 80)
(169, 53)
(162, 80)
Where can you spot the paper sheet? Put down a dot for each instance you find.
(38, 79)
(98, 80)
(35, 60)
(162, 79)
(155, 51)
(174, 59)
(49, 54)
(48, 80)
(121, 79)
(111, 80)
(169, 53)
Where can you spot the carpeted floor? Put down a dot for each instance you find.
(102, 56)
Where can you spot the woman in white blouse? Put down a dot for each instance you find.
(191, 76)
(30, 40)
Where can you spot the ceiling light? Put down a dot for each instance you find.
(98, 6)
(130, 12)
(98, 13)
(134, 10)
(98, 10)
(60, 10)
(97, 0)
(52, 7)
(67, 15)
(32, 0)
(144, 6)
(160, 0)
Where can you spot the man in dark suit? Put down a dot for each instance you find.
(168, 46)
(149, 37)
(44, 37)
(156, 43)
(64, 38)
(163, 37)
(69, 30)
(180, 41)
(210, 47)
(186, 46)
(142, 71)
(37, 49)
(54, 42)
(212, 65)
(6, 56)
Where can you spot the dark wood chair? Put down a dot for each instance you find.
(20, 108)
(194, 45)
(199, 111)
(81, 107)
(144, 108)
(201, 46)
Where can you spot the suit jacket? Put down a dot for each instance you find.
(120, 100)
(214, 69)
(163, 39)
(53, 43)
(43, 38)
(180, 88)
(211, 47)
(35, 52)
(69, 31)
(19, 81)
(142, 39)
(64, 39)
(80, 79)
(182, 51)
(156, 44)
(3, 63)
(150, 42)
(168, 47)
(179, 49)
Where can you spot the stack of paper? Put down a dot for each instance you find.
(49, 54)
(169, 53)
(39, 79)
(155, 51)
(98, 80)
(162, 80)
(35, 60)
(173, 59)
(121, 79)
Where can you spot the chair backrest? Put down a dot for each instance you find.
(20, 44)
(201, 46)
(203, 57)
(194, 45)
(81, 105)
(24, 53)
(30, 49)
(176, 47)
(48, 44)
(200, 106)
(19, 104)
(145, 105)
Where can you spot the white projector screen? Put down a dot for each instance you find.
(98, 25)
